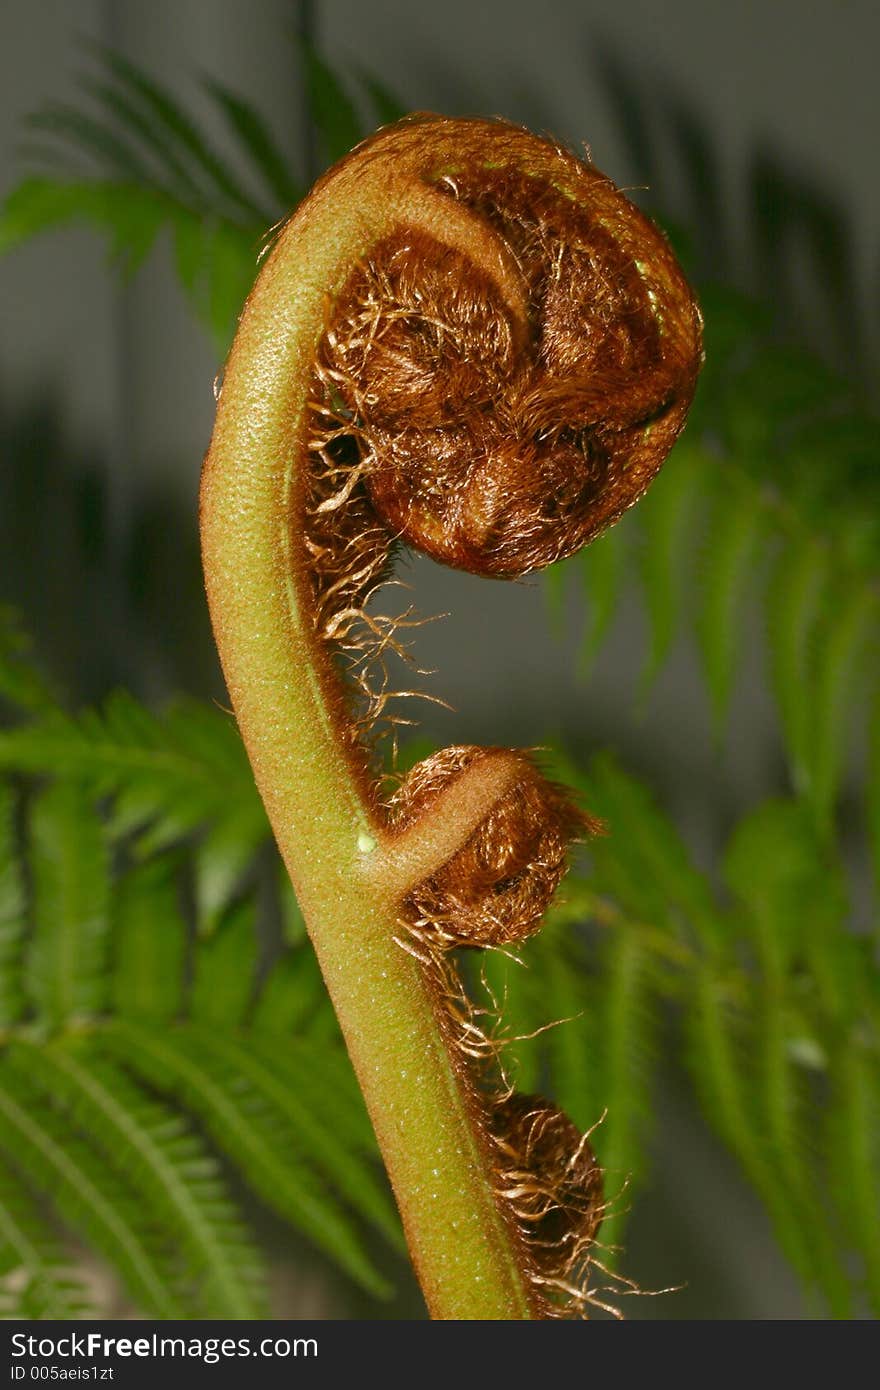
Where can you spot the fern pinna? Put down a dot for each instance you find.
(119, 1094)
(780, 1035)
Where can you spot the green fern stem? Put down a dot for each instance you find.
(348, 871)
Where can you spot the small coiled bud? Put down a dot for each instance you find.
(495, 889)
(550, 1179)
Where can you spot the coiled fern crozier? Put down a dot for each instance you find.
(468, 341)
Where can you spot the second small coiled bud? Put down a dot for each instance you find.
(495, 889)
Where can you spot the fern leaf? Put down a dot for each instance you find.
(166, 1165)
(130, 116)
(334, 116)
(570, 1045)
(168, 774)
(149, 944)
(216, 263)
(258, 143)
(642, 863)
(315, 1070)
(130, 216)
(225, 969)
(87, 1195)
(221, 859)
(873, 791)
(621, 1063)
(666, 516)
(783, 1115)
(254, 1135)
(319, 1141)
(722, 1070)
(512, 986)
(66, 972)
(93, 137)
(12, 916)
(215, 259)
(776, 383)
(729, 561)
(853, 1129)
(293, 998)
(775, 868)
(178, 126)
(794, 598)
(21, 682)
(841, 645)
(604, 567)
(557, 582)
(35, 1280)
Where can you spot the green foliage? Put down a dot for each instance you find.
(35, 1281)
(165, 777)
(138, 165)
(770, 1000)
(144, 1044)
(154, 1028)
(66, 970)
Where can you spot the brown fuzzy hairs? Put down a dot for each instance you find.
(440, 422)
(495, 890)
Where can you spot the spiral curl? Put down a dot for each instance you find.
(495, 412)
(495, 890)
(497, 444)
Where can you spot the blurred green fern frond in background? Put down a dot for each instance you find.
(147, 1036)
(170, 1063)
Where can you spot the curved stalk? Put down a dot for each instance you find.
(351, 870)
(326, 828)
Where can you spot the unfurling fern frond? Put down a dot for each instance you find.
(151, 980)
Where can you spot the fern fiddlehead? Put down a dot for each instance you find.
(468, 341)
